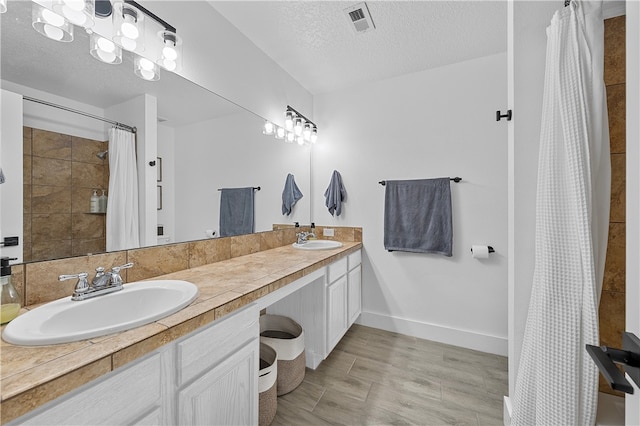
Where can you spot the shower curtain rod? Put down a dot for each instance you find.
(86, 114)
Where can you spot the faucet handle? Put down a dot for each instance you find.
(82, 285)
(116, 279)
(116, 269)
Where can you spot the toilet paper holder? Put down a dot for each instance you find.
(491, 250)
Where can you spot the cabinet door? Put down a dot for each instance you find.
(130, 395)
(336, 312)
(226, 394)
(355, 294)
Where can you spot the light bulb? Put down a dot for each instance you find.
(146, 69)
(290, 137)
(288, 121)
(307, 131)
(52, 18)
(129, 29)
(268, 128)
(108, 57)
(297, 126)
(170, 53)
(169, 65)
(300, 140)
(146, 64)
(280, 132)
(106, 45)
(128, 44)
(74, 16)
(3, 6)
(52, 32)
(314, 135)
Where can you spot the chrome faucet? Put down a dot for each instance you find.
(302, 237)
(102, 283)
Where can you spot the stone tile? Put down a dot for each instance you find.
(51, 145)
(17, 279)
(242, 245)
(85, 150)
(53, 249)
(614, 46)
(50, 199)
(209, 251)
(616, 106)
(48, 171)
(26, 141)
(27, 169)
(343, 234)
(87, 226)
(230, 306)
(270, 239)
(155, 261)
(81, 199)
(26, 199)
(612, 318)
(618, 188)
(357, 235)
(87, 175)
(50, 227)
(42, 283)
(26, 251)
(88, 247)
(615, 264)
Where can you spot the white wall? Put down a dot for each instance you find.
(632, 407)
(530, 18)
(434, 123)
(11, 201)
(229, 152)
(142, 113)
(220, 58)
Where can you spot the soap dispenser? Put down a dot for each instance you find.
(312, 235)
(9, 298)
(102, 203)
(94, 205)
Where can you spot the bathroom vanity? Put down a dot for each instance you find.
(199, 365)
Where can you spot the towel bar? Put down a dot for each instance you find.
(255, 188)
(455, 179)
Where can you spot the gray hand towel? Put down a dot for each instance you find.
(290, 195)
(335, 194)
(1, 175)
(417, 216)
(236, 211)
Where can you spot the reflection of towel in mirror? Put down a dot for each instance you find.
(236, 211)
(335, 194)
(417, 216)
(290, 195)
(1, 176)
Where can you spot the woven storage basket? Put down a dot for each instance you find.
(287, 338)
(267, 385)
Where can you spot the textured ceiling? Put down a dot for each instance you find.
(315, 42)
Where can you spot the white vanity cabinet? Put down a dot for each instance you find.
(207, 377)
(134, 394)
(337, 321)
(354, 293)
(218, 372)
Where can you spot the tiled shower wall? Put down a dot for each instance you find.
(612, 303)
(60, 173)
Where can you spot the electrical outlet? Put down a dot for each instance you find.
(328, 232)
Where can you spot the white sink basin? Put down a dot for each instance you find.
(64, 320)
(318, 245)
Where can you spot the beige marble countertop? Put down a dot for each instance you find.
(32, 376)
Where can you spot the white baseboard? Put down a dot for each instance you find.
(451, 336)
(506, 411)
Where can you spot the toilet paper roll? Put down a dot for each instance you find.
(479, 252)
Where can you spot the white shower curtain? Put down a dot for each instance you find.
(557, 382)
(122, 207)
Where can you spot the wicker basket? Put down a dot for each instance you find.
(267, 385)
(287, 338)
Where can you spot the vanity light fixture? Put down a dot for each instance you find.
(280, 132)
(314, 134)
(146, 69)
(290, 138)
(105, 50)
(78, 12)
(288, 120)
(50, 24)
(3, 6)
(297, 128)
(128, 25)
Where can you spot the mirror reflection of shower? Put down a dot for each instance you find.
(102, 155)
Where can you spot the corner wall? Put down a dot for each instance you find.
(433, 123)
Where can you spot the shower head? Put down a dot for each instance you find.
(102, 155)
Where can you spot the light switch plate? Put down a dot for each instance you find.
(328, 232)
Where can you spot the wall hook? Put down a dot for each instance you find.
(508, 115)
(152, 163)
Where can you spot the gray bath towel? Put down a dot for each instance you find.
(290, 195)
(236, 211)
(335, 194)
(417, 216)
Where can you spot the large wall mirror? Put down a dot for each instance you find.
(202, 142)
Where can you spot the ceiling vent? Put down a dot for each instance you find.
(360, 17)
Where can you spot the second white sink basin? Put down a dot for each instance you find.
(318, 245)
(64, 320)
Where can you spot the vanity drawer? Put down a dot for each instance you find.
(337, 269)
(355, 259)
(206, 348)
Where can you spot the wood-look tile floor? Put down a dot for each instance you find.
(374, 377)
